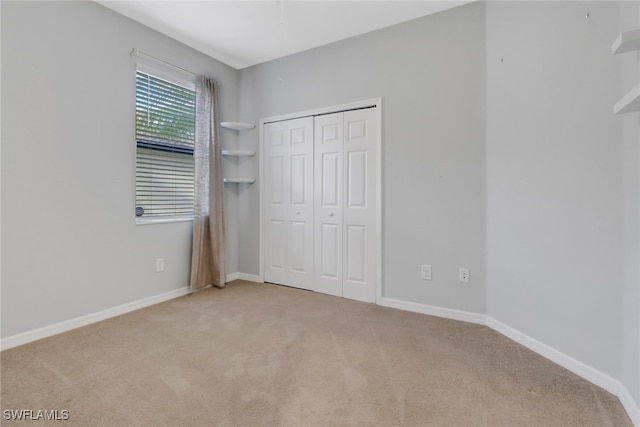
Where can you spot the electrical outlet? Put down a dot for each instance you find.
(159, 265)
(425, 272)
(463, 275)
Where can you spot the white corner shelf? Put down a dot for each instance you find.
(237, 125)
(239, 180)
(238, 153)
(626, 42)
(630, 103)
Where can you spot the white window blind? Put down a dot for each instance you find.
(165, 136)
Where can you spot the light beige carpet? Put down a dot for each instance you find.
(256, 354)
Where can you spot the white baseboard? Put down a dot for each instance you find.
(447, 313)
(599, 378)
(67, 325)
(632, 408)
(232, 276)
(249, 277)
(593, 375)
(243, 276)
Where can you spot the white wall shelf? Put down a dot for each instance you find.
(626, 42)
(629, 103)
(238, 153)
(237, 125)
(239, 180)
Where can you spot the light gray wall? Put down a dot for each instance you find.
(560, 172)
(70, 243)
(430, 73)
(630, 340)
(524, 151)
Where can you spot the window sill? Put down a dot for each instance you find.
(150, 221)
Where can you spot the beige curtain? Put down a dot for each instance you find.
(207, 258)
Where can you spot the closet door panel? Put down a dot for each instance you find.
(277, 180)
(298, 246)
(330, 244)
(320, 203)
(288, 147)
(276, 249)
(328, 204)
(298, 185)
(330, 194)
(356, 244)
(357, 180)
(301, 203)
(359, 220)
(277, 246)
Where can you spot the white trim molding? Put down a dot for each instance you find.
(379, 202)
(250, 277)
(575, 366)
(447, 313)
(587, 372)
(243, 276)
(632, 408)
(67, 325)
(232, 276)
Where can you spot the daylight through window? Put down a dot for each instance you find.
(165, 136)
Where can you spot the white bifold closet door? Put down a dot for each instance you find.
(345, 204)
(288, 147)
(320, 203)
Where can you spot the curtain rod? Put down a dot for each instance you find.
(135, 52)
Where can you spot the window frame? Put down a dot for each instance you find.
(179, 78)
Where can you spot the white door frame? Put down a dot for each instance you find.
(375, 102)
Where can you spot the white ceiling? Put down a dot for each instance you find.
(244, 33)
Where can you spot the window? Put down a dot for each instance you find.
(165, 138)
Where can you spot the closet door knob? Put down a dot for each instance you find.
(331, 214)
(297, 212)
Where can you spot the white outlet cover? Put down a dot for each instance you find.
(425, 272)
(463, 275)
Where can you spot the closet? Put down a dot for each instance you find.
(320, 202)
